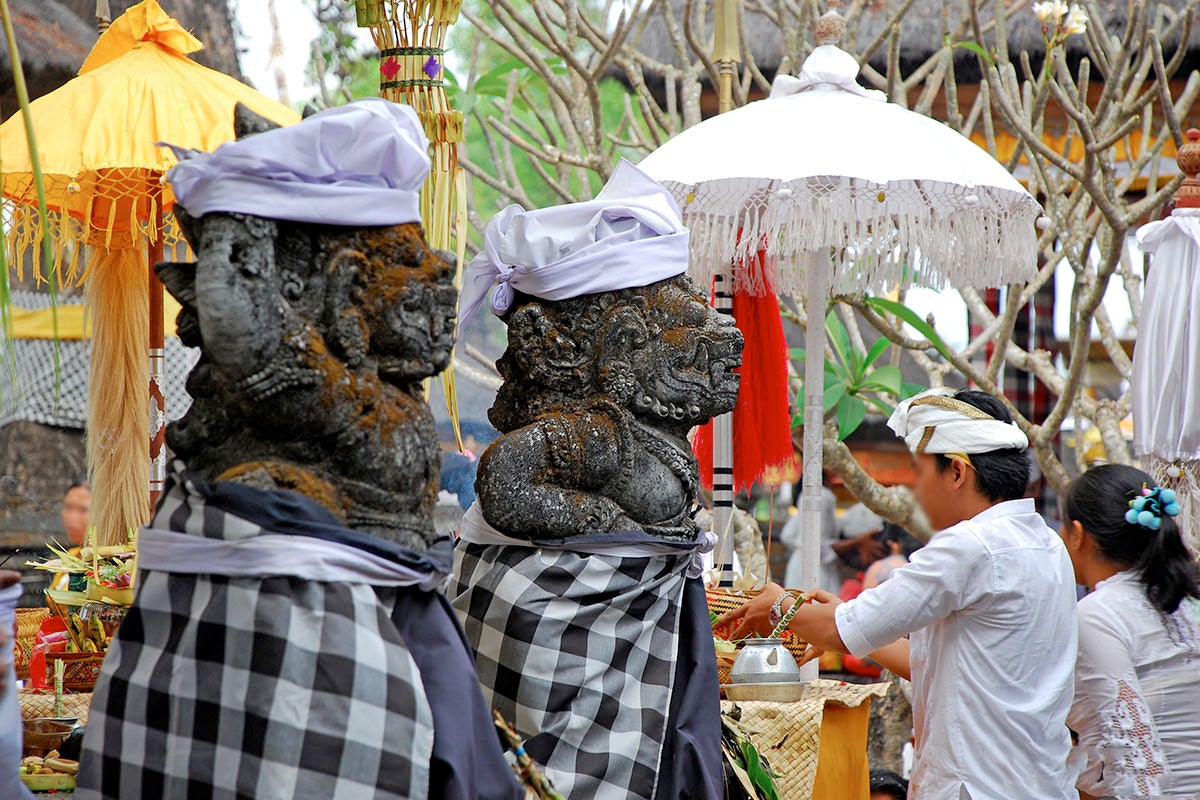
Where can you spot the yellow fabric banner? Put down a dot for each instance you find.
(28, 323)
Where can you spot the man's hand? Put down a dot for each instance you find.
(7, 578)
(866, 548)
(753, 618)
(815, 623)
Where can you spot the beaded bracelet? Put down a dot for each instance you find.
(785, 619)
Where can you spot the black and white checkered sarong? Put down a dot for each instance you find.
(604, 662)
(263, 659)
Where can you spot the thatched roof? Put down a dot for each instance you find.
(53, 43)
(921, 33)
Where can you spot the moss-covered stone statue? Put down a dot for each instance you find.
(289, 638)
(315, 340)
(599, 395)
(577, 572)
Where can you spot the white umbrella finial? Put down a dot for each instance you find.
(1188, 159)
(829, 28)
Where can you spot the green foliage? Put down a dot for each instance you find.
(853, 382)
(975, 48)
(883, 306)
(335, 56)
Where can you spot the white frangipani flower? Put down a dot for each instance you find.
(1050, 12)
(1077, 21)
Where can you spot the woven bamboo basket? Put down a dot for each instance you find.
(80, 670)
(40, 705)
(722, 601)
(28, 622)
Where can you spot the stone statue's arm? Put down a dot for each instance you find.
(544, 481)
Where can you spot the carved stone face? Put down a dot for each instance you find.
(380, 291)
(409, 301)
(659, 351)
(689, 361)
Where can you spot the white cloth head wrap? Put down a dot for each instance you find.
(934, 422)
(359, 164)
(630, 235)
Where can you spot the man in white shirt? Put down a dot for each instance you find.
(989, 604)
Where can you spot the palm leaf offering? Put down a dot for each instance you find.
(110, 570)
(751, 769)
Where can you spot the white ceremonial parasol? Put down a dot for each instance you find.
(1166, 361)
(827, 174)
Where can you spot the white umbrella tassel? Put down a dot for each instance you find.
(1184, 478)
(817, 281)
(723, 464)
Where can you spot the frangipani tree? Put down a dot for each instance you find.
(1083, 102)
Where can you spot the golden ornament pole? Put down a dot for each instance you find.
(727, 49)
(411, 37)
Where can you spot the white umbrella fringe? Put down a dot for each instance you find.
(986, 235)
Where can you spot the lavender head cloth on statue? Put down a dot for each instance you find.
(359, 165)
(630, 235)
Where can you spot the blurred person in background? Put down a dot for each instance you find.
(852, 540)
(77, 505)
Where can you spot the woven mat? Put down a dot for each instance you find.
(28, 622)
(789, 734)
(35, 705)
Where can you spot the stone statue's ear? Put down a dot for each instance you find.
(180, 280)
(625, 331)
(247, 123)
(544, 352)
(347, 331)
(347, 276)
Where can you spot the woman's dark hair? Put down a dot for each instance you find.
(887, 782)
(1000, 475)
(1098, 500)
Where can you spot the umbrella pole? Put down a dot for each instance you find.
(727, 51)
(158, 455)
(817, 290)
(723, 464)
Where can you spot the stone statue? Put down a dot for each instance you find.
(599, 394)
(315, 341)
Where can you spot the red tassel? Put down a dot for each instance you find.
(762, 420)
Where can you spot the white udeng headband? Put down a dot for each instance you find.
(934, 422)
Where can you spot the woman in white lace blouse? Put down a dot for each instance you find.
(1137, 680)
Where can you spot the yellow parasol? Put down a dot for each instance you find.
(97, 140)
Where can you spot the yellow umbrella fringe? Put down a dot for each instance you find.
(118, 419)
(22, 92)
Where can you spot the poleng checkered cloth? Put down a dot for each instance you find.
(229, 680)
(583, 654)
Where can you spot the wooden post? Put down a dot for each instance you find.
(157, 404)
(103, 16)
(727, 49)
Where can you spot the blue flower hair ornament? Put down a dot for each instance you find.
(1149, 509)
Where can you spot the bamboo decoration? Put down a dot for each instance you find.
(411, 37)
